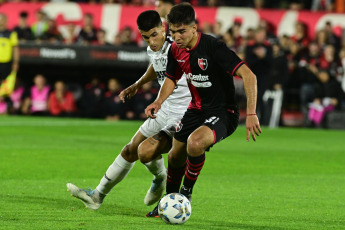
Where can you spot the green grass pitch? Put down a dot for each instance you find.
(288, 179)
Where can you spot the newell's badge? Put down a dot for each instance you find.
(179, 127)
(202, 63)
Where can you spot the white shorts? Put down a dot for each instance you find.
(165, 121)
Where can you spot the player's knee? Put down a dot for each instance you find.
(129, 153)
(195, 145)
(145, 153)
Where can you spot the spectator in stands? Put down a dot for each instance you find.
(36, 98)
(235, 31)
(258, 55)
(308, 72)
(92, 97)
(101, 38)
(285, 44)
(52, 35)
(88, 32)
(23, 29)
(17, 97)
(40, 27)
(71, 35)
(145, 96)
(13, 105)
(217, 27)
(117, 40)
(328, 60)
(61, 101)
(273, 96)
(301, 35)
(322, 5)
(228, 39)
(271, 38)
(321, 38)
(328, 95)
(207, 28)
(126, 36)
(163, 8)
(342, 76)
(113, 108)
(332, 37)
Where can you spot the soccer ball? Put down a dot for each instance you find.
(174, 208)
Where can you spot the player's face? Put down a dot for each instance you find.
(155, 37)
(160, 8)
(183, 35)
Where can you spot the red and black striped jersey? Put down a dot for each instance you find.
(209, 68)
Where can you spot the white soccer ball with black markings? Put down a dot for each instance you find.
(174, 208)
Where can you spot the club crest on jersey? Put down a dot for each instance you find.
(202, 63)
(179, 127)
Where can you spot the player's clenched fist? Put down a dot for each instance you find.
(153, 109)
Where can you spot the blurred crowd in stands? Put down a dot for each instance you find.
(94, 100)
(294, 72)
(315, 5)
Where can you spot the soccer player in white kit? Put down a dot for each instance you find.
(154, 137)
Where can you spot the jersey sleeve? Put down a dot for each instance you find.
(14, 38)
(226, 58)
(173, 70)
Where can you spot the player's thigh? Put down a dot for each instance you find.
(178, 154)
(154, 146)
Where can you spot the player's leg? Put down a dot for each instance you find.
(176, 169)
(215, 128)
(116, 172)
(198, 142)
(149, 152)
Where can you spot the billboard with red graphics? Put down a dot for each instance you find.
(114, 17)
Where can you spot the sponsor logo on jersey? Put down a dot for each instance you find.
(180, 60)
(199, 81)
(202, 62)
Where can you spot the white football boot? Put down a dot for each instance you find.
(156, 191)
(88, 197)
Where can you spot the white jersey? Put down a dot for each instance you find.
(175, 105)
(180, 97)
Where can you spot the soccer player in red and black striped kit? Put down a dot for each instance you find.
(212, 114)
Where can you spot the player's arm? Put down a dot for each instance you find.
(130, 91)
(165, 91)
(250, 87)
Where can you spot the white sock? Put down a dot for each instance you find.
(157, 168)
(115, 174)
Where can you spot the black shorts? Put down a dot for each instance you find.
(5, 70)
(223, 123)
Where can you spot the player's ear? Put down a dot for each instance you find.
(195, 27)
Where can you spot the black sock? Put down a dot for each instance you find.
(174, 179)
(194, 166)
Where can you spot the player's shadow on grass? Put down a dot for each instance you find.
(54, 203)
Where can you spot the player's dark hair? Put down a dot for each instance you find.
(148, 20)
(181, 14)
(172, 2)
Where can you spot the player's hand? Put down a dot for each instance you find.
(128, 93)
(153, 109)
(253, 127)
